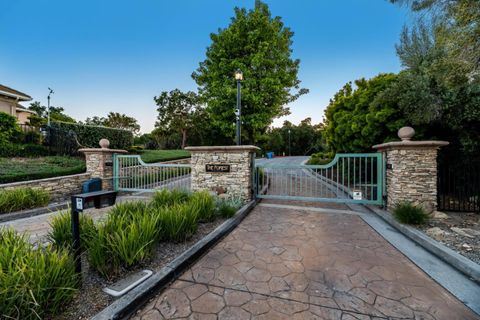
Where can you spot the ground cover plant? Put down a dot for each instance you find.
(34, 283)
(151, 156)
(22, 169)
(22, 198)
(409, 213)
(60, 234)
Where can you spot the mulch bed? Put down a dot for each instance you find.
(446, 230)
(91, 299)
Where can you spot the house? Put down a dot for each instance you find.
(10, 103)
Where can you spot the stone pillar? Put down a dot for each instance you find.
(225, 170)
(99, 162)
(411, 170)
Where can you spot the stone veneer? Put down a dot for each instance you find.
(99, 162)
(59, 188)
(237, 182)
(411, 172)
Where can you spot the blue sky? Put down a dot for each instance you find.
(102, 56)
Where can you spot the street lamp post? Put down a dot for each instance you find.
(50, 92)
(239, 78)
(289, 144)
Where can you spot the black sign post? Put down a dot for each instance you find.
(80, 202)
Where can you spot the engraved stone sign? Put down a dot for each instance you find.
(217, 167)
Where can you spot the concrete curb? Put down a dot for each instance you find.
(126, 305)
(456, 260)
(5, 217)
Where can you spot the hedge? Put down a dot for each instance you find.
(89, 136)
(10, 150)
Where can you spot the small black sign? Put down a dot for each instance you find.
(217, 167)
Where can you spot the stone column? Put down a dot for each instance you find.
(226, 170)
(411, 170)
(99, 162)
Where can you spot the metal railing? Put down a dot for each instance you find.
(353, 178)
(130, 173)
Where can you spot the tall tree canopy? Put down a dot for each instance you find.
(260, 46)
(56, 114)
(115, 120)
(357, 118)
(177, 112)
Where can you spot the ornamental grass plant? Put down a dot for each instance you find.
(60, 234)
(408, 213)
(22, 198)
(35, 283)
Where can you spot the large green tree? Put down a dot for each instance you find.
(361, 116)
(115, 120)
(177, 112)
(260, 46)
(41, 116)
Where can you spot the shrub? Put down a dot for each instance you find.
(10, 150)
(89, 136)
(22, 198)
(170, 197)
(34, 283)
(8, 127)
(226, 208)
(60, 234)
(320, 158)
(125, 238)
(408, 213)
(204, 203)
(178, 222)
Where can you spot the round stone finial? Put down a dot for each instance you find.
(406, 133)
(104, 143)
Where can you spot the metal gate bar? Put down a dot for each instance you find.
(348, 178)
(130, 173)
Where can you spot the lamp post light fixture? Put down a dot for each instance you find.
(50, 92)
(289, 144)
(239, 78)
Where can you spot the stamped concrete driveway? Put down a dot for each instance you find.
(289, 264)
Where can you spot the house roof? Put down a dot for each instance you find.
(21, 108)
(12, 93)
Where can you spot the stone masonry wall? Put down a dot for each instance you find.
(237, 182)
(413, 177)
(59, 188)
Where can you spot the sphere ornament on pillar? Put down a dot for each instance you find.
(104, 143)
(406, 133)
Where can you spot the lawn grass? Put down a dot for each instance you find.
(151, 156)
(22, 169)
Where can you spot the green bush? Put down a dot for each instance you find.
(408, 213)
(34, 283)
(320, 158)
(8, 127)
(10, 150)
(60, 234)
(226, 208)
(89, 136)
(127, 237)
(13, 170)
(170, 197)
(22, 198)
(204, 203)
(135, 149)
(178, 222)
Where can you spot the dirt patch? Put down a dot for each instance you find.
(459, 231)
(91, 299)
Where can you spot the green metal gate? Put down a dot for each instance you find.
(130, 173)
(348, 178)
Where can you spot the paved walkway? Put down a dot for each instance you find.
(282, 263)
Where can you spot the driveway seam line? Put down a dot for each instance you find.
(285, 299)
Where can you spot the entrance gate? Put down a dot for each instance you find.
(130, 173)
(348, 178)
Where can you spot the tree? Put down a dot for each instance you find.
(357, 118)
(9, 128)
(122, 121)
(41, 117)
(115, 120)
(177, 111)
(260, 46)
